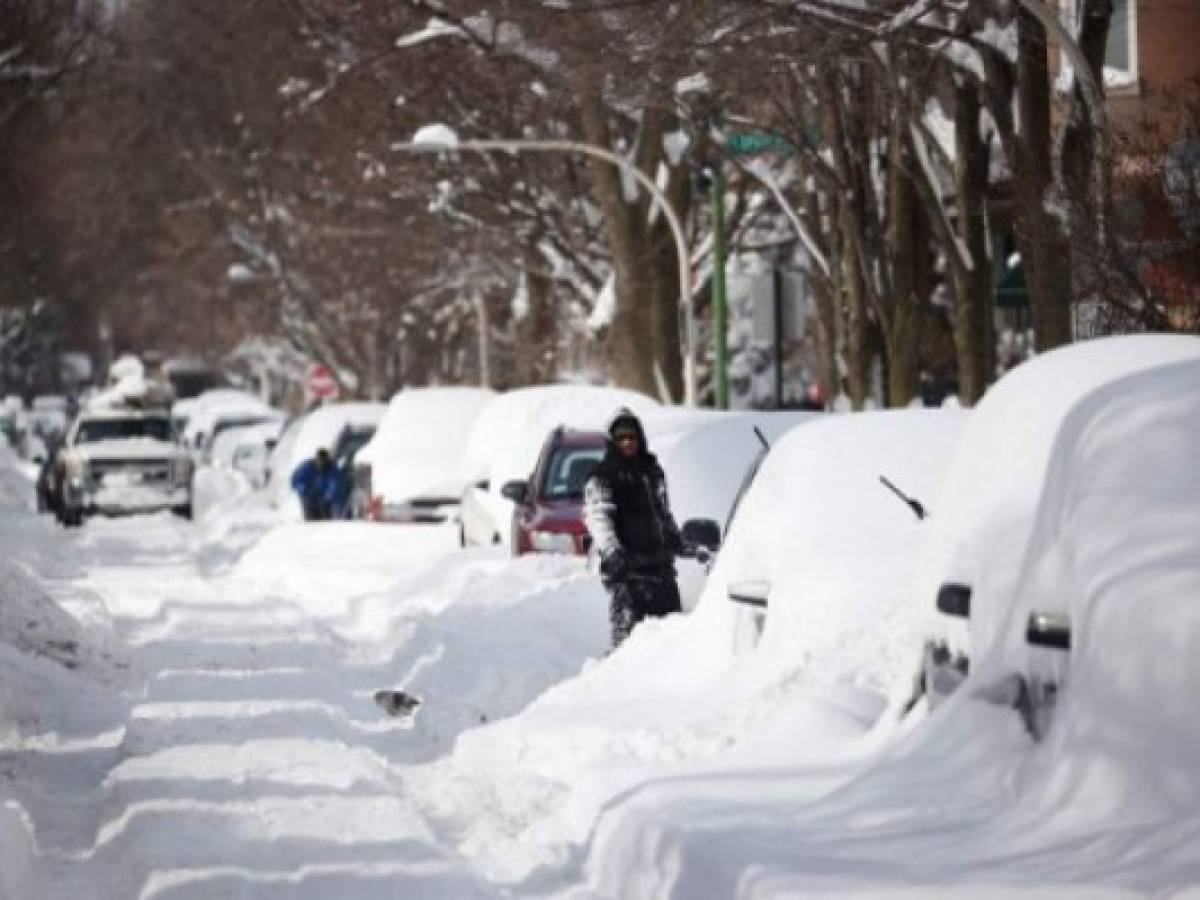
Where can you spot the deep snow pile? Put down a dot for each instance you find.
(476, 634)
(1109, 800)
(685, 694)
(53, 667)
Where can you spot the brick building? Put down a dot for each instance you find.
(1152, 80)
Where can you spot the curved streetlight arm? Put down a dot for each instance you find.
(564, 146)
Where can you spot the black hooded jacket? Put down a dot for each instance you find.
(626, 505)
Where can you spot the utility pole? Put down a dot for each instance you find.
(720, 308)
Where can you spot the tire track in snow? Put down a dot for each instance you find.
(255, 762)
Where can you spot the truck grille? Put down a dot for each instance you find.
(130, 471)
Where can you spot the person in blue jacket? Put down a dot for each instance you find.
(318, 483)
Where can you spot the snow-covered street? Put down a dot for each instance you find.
(250, 754)
(234, 747)
(187, 709)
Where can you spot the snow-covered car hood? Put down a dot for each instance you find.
(127, 448)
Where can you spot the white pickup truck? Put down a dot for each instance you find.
(120, 460)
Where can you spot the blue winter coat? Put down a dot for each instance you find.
(310, 482)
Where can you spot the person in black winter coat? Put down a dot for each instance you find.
(629, 517)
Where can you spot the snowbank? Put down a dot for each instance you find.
(475, 634)
(683, 695)
(47, 660)
(327, 562)
(1109, 801)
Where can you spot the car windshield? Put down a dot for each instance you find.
(93, 430)
(569, 468)
(226, 424)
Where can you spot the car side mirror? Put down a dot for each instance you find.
(1046, 629)
(750, 593)
(516, 491)
(482, 485)
(954, 600)
(703, 532)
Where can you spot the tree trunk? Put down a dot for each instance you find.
(856, 325)
(632, 335)
(668, 305)
(1044, 249)
(974, 332)
(902, 329)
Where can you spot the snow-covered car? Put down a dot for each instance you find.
(508, 437)
(218, 411)
(1002, 477)
(246, 449)
(324, 427)
(412, 469)
(123, 460)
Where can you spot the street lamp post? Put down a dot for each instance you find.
(446, 142)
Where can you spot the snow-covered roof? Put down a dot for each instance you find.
(223, 405)
(504, 442)
(419, 446)
(228, 442)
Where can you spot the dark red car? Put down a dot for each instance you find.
(549, 514)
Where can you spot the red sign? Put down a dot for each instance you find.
(320, 381)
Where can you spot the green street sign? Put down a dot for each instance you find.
(745, 143)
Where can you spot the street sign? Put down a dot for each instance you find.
(746, 143)
(320, 381)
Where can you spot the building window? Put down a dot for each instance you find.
(1120, 54)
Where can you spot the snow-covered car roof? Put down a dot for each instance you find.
(505, 440)
(215, 406)
(419, 445)
(985, 520)
(228, 442)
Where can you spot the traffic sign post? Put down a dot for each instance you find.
(737, 143)
(321, 382)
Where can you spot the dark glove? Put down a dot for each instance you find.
(614, 565)
(677, 545)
